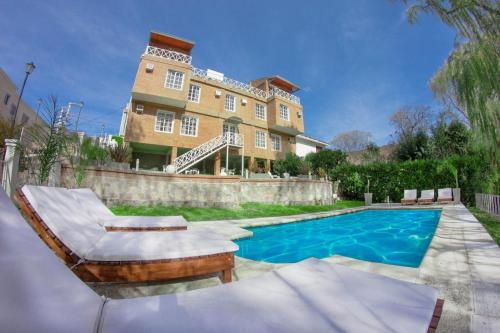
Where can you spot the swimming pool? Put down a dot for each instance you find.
(398, 237)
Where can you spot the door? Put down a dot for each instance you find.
(232, 129)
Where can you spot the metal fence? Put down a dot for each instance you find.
(488, 203)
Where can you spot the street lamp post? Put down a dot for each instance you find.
(30, 66)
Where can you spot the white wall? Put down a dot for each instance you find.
(303, 147)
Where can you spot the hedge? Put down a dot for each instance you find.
(392, 178)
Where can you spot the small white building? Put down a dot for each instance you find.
(305, 145)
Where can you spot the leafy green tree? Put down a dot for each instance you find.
(449, 139)
(292, 164)
(326, 159)
(412, 147)
(470, 76)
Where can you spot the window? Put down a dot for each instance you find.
(260, 139)
(24, 119)
(174, 79)
(284, 113)
(230, 103)
(6, 99)
(189, 126)
(276, 142)
(260, 111)
(164, 121)
(194, 93)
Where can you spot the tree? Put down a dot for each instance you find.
(449, 139)
(412, 147)
(326, 159)
(408, 121)
(351, 141)
(292, 164)
(41, 145)
(470, 75)
(371, 154)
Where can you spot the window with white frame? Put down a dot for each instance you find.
(230, 103)
(194, 93)
(174, 79)
(260, 111)
(164, 121)
(284, 112)
(260, 139)
(276, 142)
(189, 126)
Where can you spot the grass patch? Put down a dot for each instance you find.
(245, 211)
(491, 224)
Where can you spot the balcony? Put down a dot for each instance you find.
(168, 54)
(234, 84)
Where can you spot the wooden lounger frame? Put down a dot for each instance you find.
(405, 202)
(438, 310)
(127, 271)
(445, 200)
(142, 229)
(425, 201)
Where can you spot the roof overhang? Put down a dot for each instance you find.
(178, 103)
(234, 120)
(171, 40)
(286, 130)
(283, 83)
(309, 139)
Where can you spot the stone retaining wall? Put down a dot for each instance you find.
(148, 188)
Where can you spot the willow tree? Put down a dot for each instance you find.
(469, 79)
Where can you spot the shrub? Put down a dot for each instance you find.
(120, 153)
(391, 179)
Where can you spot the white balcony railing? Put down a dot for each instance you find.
(168, 54)
(275, 91)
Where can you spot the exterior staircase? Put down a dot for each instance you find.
(195, 155)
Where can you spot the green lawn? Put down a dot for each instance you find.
(490, 223)
(248, 210)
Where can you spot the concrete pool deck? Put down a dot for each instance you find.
(462, 261)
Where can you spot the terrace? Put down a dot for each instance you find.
(228, 82)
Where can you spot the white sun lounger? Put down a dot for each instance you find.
(40, 294)
(409, 197)
(445, 195)
(87, 198)
(426, 197)
(100, 256)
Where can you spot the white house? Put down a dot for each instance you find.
(305, 145)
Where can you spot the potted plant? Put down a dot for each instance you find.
(446, 165)
(368, 195)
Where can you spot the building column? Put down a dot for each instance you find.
(217, 163)
(173, 154)
(251, 163)
(268, 165)
(11, 164)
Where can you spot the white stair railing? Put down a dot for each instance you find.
(195, 155)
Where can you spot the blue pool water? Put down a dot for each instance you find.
(398, 237)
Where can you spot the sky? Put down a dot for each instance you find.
(357, 61)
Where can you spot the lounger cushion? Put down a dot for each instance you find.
(444, 193)
(145, 222)
(38, 292)
(65, 217)
(410, 195)
(155, 245)
(103, 216)
(311, 296)
(427, 194)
